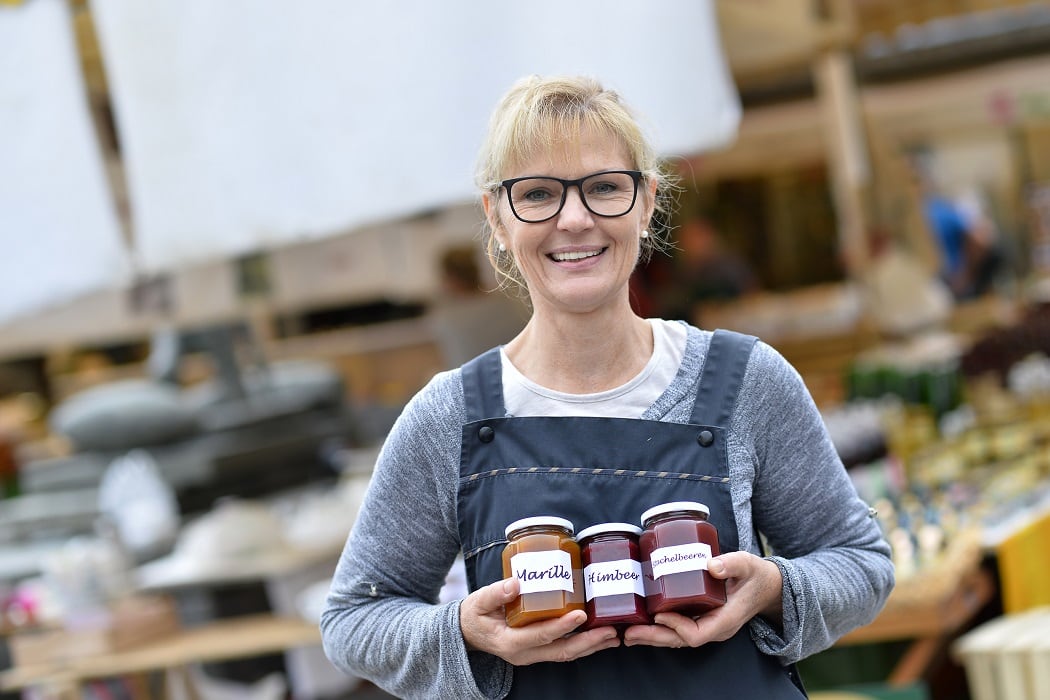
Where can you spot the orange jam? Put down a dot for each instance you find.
(545, 559)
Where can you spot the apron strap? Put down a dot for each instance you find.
(483, 386)
(723, 373)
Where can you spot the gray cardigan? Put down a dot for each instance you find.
(382, 621)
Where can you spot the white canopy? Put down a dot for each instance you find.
(251, 124)
(59, 232)
(247, 124)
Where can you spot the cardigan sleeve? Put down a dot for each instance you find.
(834, 560)
(382, 619)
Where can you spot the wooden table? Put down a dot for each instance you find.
(931, 625)
(221, 640)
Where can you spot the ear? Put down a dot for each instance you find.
(651, 207)
(490, 203)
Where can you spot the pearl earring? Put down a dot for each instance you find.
(502, 248)
(645, 234)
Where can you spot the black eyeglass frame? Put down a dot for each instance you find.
(636, 176)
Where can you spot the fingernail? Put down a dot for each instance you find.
(508, 586)
(716, 567)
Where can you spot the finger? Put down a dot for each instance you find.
(653, 635)
(577, 646)
(571, 647)
(706, 628)
(731, 565)
(549, 631)
(493, 597)
(717, 568)
(715, 625)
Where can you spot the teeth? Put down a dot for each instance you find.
(564, 257)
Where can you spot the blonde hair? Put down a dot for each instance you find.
(536, 115)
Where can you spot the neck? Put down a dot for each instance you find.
(583, 353)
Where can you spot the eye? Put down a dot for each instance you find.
(603, 187)
(535, 191)
(536, 194)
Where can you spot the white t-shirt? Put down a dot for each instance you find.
(524, 397)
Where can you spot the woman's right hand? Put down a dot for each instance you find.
(485, 628)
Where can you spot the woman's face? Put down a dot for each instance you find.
(576, 262)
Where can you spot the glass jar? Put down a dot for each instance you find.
(545, 559)
(676, 544)
(612, 576)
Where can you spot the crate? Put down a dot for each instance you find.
(1008, 658)
(125, 624)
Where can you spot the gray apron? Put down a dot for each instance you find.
(595, 470)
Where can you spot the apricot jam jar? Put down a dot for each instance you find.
(542, 554)
(676, 543)
(612, 576)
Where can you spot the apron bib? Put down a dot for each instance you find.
(595, 470)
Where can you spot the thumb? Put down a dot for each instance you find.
(725, 565)
(495, 595)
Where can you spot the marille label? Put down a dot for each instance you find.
(543, 571)
(604, 578)
(678, 558)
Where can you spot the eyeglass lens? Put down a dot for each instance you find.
(536, 199)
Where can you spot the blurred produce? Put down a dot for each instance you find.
(923, 371)
(966, 457)
(1001, 348)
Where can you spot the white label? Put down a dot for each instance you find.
(543, 571)
(681, 557)
(604, 578)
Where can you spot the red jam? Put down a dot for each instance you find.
(612, 576)
(545, 559)
(676, 544)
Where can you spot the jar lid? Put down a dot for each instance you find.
(539, 520)
(673, 506)
(602, 528)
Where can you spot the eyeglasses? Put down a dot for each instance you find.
(608, 193)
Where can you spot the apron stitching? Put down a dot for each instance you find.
(481, 548)
(644, 473)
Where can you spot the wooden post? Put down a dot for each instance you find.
(847, 153)
(844, 128)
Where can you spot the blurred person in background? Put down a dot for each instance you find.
(965, 237)
(702, 269)
(592, 413)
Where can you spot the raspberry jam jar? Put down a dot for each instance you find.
(676, 543)
(612, 576)
(542, 554)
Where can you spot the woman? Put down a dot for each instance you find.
(602, 408)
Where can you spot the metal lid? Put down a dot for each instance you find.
(539, 520)
(602, 528)
(673, 506)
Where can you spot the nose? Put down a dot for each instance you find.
(574, 215)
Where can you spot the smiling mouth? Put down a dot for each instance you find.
(573, 257)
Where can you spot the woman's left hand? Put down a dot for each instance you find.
(753, 587)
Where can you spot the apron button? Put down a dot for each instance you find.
(705, 438)
(485, 433)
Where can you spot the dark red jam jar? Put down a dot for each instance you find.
(676, 544)
(612, 576)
